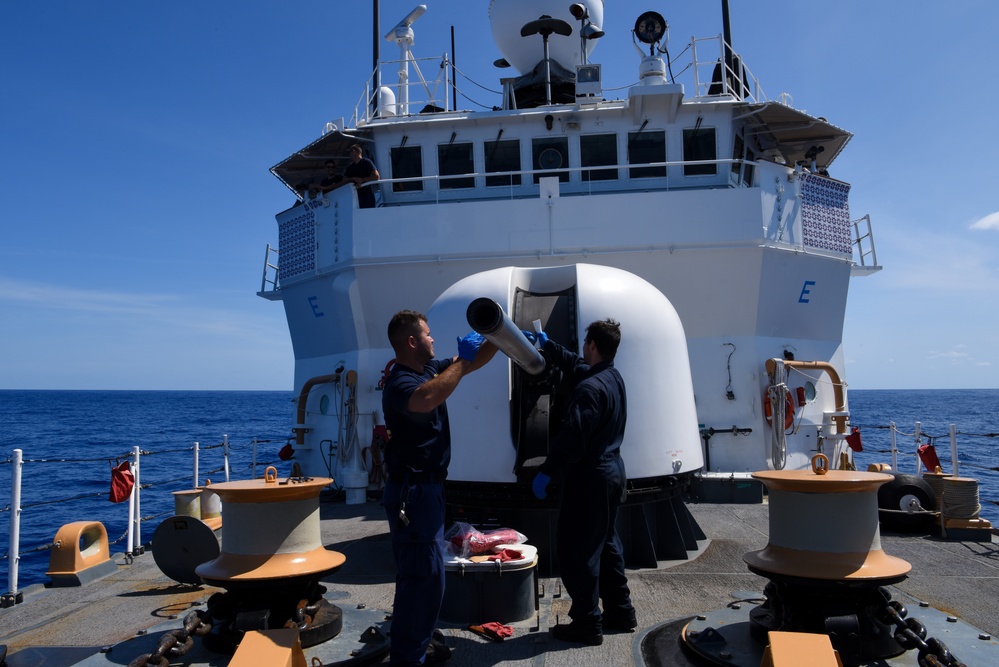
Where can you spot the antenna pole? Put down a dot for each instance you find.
(376, 53)
(454, 74)
(727, 36)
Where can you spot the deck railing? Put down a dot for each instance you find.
(412, 93)
(132, 536)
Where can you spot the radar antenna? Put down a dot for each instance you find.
(545, 26)
(403, 35)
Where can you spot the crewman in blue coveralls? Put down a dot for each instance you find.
(586, 451)
(417, 456)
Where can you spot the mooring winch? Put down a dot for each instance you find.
(271, 562)
(824, 561)
(827, 575)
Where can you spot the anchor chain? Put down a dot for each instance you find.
(303, 615)
(176, 642)
(910, 634)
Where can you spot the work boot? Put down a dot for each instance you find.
(574, 632)
(437, 650)
(623, 621)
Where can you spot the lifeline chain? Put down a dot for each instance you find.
(910, 633)
(176, 642)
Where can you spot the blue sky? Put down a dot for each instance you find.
(136, 202)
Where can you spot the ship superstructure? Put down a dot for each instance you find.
(702, 187)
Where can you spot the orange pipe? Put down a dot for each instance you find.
(303, 397)
(833, 375)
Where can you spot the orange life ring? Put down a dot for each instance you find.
(788, 410)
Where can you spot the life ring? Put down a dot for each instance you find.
(788, 411)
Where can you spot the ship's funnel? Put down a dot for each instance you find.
(486, 317)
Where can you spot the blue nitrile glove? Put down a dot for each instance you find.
(540, 485)
(539, 339)
(468, 346)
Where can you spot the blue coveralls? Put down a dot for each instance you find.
(417, 455)
(586, 452)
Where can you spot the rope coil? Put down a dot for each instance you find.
(960, 498)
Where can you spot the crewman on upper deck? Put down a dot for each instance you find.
(360, 171)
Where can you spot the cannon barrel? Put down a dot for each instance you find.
(486, 317)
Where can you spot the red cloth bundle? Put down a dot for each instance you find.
(122, 482)
(495, 631)
(467, 541)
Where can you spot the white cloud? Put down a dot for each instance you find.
(938, 262)
(120, 310)
(991, 221)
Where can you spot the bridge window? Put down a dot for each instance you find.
(647, 147)
(455, 159)
(407, 162)
(550, 154)
(699, 144)
(502, 156)
(597, 150)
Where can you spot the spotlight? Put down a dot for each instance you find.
(650, 27)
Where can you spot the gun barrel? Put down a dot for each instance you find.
(486, 317)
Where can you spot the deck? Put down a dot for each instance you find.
(114, 620)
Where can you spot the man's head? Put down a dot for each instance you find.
(602, 339)
(330, 167)
(409, 335)
(355, 152)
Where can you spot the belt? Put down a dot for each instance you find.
(417, 477)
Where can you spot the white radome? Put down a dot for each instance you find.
(507, 17)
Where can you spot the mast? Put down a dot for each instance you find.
(375, 54)
(726, 34)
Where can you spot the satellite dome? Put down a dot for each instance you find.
(507, 17)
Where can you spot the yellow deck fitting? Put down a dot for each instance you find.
(793, 649)
(80, 554)
(269, 648)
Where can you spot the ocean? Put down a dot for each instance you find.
(71, 439)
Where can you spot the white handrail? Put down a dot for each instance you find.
(136, 543)
(15, 526)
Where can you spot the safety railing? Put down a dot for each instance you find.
(728, 76)
(432, 93)
(522, 183)
(863, 241)
(269, 284)
(22, 502)
(394, 90)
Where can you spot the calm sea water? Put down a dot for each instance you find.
(70, 439)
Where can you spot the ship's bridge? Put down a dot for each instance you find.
(658, 170)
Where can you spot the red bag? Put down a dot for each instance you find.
(122, 482)
(854, 440)
(928, 455)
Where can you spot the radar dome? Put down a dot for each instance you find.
(507, 17)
